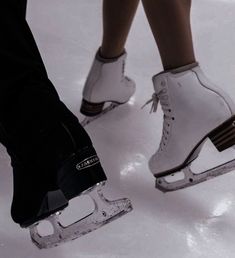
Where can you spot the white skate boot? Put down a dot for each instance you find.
(194, 110)
(105, 83)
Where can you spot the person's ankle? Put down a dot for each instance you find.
(109, 56)
(180, 68)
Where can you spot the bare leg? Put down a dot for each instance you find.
(117, 19)
(170, 24)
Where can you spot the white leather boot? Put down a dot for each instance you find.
(106, 82)
(194, 110)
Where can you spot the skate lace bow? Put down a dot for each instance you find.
(154, 100)
(156, 97)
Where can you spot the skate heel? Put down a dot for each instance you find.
(223, 136)
(80, 172)
(91, 109)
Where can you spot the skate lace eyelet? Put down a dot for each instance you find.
(173, 118)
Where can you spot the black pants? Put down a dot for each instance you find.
(29, 102)
(30, 112)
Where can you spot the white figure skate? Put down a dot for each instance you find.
(106, 83)
(194, 110)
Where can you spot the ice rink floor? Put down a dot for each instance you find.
(195, 223)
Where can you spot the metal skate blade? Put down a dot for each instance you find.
(191, 178)
(105, 211)
(88, 120)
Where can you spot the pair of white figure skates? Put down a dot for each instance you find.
(194, 110)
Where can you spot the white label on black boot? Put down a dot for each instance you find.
(89, 162)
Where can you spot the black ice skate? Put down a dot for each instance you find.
(53, 163)
(82, 174)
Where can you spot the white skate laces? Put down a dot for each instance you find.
(162, 96)
(154, 100)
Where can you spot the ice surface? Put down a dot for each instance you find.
(195, 223)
